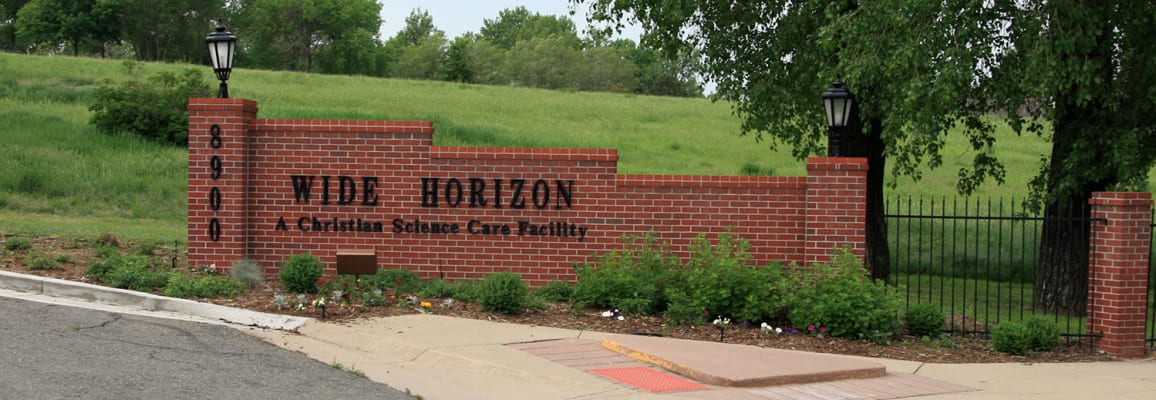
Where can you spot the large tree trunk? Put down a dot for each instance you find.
(1062, 267)
(1080, 165)
(870, 145)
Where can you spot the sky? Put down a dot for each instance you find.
(456, 17)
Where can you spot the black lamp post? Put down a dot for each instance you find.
(222, 45)
(837, 103)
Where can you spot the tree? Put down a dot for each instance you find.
(513, 26)
(417, 51)
(418, 26)
(919, 68)
(289, 34)
(1084, 68)
(909, 62)
(75, 22)
(170, 30)
(8, 9)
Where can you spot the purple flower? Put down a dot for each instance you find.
(745, 324)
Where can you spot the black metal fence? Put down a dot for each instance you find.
(1150, 333)
(976, 259)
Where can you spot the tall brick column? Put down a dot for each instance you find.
(218, 151)
(1118, 272)
(836, 207)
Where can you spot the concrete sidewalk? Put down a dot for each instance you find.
(440, 357)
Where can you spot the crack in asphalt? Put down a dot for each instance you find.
(115, 318)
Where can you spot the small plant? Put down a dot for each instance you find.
(248, 272)
(555, 291)
(301, 273)
(503, 292)
(924, 321)
(108, 240)
(280, 301)
(1010, 337)
(18, 244)
(41, 263)
(437, 288)
(1043, 334)
(148, 248)
(350, 369)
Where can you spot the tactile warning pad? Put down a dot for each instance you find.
(648, 379)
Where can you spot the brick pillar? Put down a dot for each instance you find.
(218, 173)
(836, 207)
(1118, 272)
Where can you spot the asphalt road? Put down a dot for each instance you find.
(58, 352)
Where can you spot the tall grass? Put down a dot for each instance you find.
(55, 163)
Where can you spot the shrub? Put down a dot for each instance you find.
(719, 278)
(248, 272)
(138, 277)
(133, 272)
(466, 290)
(437, 288)
(398, 280)
(185, 286)
(924, 320)
(301, 273)
(1043, 334)
(503, 292)
(154, 109)
(18, 244)
(555, 291)
(840, 297)
(1011, 337)
(41, 263)
(631, 281)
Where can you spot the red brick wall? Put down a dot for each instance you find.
(794, 219)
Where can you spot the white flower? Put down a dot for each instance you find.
(723, 321)
(764, 325)
(607, 314)
(621, 318)
(778, 330)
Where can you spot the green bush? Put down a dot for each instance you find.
(187, 286)
(301, 273)
(396, 280)
(555, 291)
(154, 109)
(719, 279)
(632, 281)
(503, 292)
(41, 263)
(924, 320)
(466, 290)
(1043, 334)
(1011, 337)
(840, 297)
(18, 244)
(437, 288)
(133, 272)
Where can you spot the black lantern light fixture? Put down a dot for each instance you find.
(837, 103)
(222, 45)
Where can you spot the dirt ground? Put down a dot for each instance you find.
(78, 254)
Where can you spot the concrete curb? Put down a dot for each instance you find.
(146, 301)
